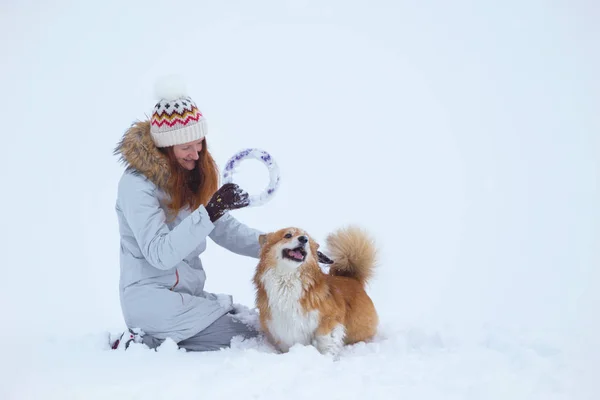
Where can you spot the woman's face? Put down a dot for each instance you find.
(187, 153)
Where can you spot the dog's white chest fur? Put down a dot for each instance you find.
(289, 323)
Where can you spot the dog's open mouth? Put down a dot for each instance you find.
(297, 254)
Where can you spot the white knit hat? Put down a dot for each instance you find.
(175, 119)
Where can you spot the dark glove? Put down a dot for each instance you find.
(323, 258)
(228, 197)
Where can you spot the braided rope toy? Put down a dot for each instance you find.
(267, 160)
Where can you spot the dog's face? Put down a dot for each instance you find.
(289, 247)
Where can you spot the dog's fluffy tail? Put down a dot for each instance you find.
(354, 253)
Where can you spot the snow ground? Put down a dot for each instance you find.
(400, 363)
(463, 135)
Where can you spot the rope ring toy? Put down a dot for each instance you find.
(268, 161)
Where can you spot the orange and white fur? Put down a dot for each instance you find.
(300, 304)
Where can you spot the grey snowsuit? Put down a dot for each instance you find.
(162, 278)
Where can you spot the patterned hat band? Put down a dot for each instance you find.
(180, 133)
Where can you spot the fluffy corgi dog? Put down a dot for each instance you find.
(300, 304)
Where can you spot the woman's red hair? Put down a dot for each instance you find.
(191, 188)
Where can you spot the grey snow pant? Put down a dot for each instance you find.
(216, 336)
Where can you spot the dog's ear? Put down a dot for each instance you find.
(323, 259)
(262, 239)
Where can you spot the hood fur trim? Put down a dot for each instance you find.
(140, 155)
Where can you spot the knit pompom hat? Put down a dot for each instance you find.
(175, 118)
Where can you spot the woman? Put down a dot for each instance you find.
(167, 206)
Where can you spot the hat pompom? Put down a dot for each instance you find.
(170, 87)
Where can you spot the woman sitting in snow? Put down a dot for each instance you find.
(167, 206)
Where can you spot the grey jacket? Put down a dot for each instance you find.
(161, 274)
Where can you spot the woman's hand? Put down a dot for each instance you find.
(228, 197)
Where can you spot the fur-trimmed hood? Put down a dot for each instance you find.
(139, 154)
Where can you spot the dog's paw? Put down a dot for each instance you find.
(331, 352)
(331, 343)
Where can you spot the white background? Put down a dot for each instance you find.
(463, 135)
